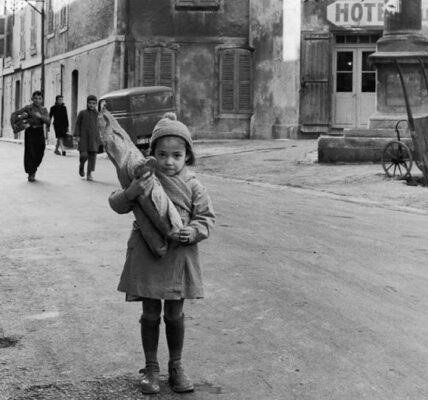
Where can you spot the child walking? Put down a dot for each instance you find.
(86, 131)
(33, 117)
(177, 275)
(58, 113)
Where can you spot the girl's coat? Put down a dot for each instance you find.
(176, 275)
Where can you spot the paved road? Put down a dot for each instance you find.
(307, 296)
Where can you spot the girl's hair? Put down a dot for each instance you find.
(189, 151)
(37, 93)
(58, 96)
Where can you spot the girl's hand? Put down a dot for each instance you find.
(186, 234)
(140, 187)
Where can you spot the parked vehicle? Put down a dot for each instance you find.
(138, 110)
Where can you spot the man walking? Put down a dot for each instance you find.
(32, 118)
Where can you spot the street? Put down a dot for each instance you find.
(308, 297)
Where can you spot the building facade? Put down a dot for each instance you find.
(239, 68)
(338, 83)
(224, 59)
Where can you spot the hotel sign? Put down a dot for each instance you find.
(358, 13)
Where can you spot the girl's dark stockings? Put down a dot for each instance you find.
(174, 327)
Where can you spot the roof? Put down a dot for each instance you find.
(136, 91)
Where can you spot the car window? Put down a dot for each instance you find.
(152, 102)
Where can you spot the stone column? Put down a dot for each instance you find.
(402, 40)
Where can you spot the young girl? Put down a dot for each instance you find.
(177, 275)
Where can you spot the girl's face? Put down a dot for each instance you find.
(170, 153)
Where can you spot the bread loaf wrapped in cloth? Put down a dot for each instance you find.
(156, 215)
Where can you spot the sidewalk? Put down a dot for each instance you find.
(293, 163)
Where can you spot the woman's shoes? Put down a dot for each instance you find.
(57, 152)
(64, 153)
(31, 177)
(89, 177)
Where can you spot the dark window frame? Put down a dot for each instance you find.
(197, 5)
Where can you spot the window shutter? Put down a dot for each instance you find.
(166, 73)
(149, 68)
(50, 16)
(244, 84)
(33, 33)
(315, 81)
(22, 37)
(2, 36)
(227, 82)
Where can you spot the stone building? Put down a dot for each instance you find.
(226, 60)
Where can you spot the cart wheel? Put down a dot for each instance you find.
(397, 160)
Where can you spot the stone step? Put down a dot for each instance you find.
(376, 133)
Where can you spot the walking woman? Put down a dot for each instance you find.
(33, 117)
(60, 122)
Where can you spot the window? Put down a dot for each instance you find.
(368, 73)
(22, 37)
(202, 5)
(3, 34)
(348, 39)
(344, 71)
(157, 67)
(50, 17)
(236, 81)
(63, 18)
(33, 33)
(9, 30)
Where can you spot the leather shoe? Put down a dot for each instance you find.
(31, 177)
(178, 380)
(81, 172)
(149, 381)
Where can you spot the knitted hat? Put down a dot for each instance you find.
(171, 127)
(91, 97)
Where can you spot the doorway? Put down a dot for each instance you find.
(74, 96)
(17, 95)
(354, 81)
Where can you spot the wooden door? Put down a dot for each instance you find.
(315, 82)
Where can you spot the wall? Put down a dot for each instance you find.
(88, 22)
(197, 36)
(87, 45)
(275, 36)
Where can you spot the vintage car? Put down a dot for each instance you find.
(138, 110)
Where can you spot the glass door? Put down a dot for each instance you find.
(354, 89)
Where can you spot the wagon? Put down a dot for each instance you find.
(397, 156)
